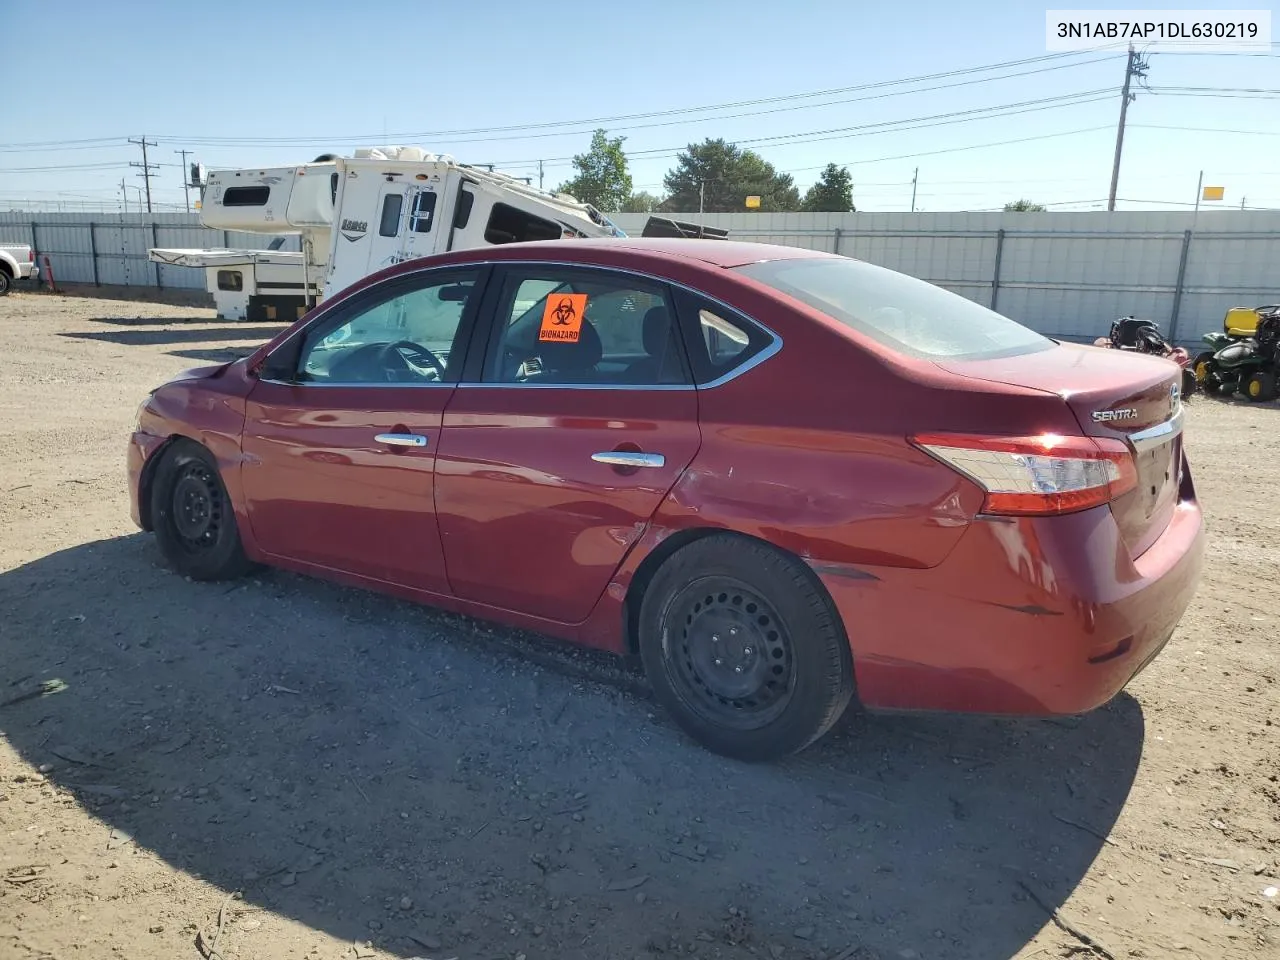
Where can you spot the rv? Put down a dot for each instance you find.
(356, 215)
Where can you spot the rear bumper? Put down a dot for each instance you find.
(141, 448)
(1033, 616)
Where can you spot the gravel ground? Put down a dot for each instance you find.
(282, 768)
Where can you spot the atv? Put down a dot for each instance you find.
(1143, 336)
(1250, 365)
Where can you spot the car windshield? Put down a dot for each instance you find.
(905, 314)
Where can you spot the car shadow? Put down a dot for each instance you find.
(381, 771)
(142, 338)
(155, 321)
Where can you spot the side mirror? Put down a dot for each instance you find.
(281, 364)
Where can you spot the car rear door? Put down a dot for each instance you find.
(341, 430)
(581, 419)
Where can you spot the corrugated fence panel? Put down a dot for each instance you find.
(1066, 274)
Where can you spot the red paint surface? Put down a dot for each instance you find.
(505, 516)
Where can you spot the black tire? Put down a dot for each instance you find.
(194, 522)
(1259, 386)
(5, 281)
(1188, 382)
(784, 677)
(1219, 387)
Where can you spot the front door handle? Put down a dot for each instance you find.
(626, 458)
(402, 439)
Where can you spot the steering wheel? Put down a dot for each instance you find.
(417, 356)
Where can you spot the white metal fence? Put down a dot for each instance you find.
(1064, 274)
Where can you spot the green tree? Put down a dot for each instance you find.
(603, 180)
(726, 175)
(832, 193)
(641, 202)
(1024, 206)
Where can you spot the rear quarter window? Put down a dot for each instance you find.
(907, 315)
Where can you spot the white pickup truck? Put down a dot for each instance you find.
(17, 262)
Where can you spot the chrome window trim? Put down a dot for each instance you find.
(768, 352)
(1152, 437)
(353, 384)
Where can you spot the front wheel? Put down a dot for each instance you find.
(192, 515)
(744, 648)
(1259, 386)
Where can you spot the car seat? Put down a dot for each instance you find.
(662, 363)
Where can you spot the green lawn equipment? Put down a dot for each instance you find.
(1249, 365)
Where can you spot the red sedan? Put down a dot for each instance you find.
(784, 479)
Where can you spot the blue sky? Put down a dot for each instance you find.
(186, 73)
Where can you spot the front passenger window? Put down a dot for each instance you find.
(407, 338)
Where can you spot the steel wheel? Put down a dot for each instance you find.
(744, 648)
(732, 659)
(198, 507)
(192, 515)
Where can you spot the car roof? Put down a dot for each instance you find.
(718, 253)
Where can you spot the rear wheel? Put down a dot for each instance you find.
(194, 522)
(1259, 386)
(744, 648)
(5, 281)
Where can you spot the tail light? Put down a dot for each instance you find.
(1037, 476)
(31, 255)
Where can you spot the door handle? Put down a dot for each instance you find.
(625, 458)
(402, 439)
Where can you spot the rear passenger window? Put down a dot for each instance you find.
(587, 328)
(724, 340)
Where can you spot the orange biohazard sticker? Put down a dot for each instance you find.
(562, 318)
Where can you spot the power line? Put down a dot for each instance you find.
(870, 129)
(835, 91)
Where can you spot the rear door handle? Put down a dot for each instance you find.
(625, 458)
(402, 439)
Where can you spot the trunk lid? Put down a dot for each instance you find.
(1118, 394)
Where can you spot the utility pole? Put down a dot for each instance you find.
(1199, 190)
(702, 192)
(186, 187)
(914, 177)
(146, 173)
(1242, 200)
(125, 195)
(1135, 66)
(539, 174)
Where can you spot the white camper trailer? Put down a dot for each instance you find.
(357, 215)
(253, 285)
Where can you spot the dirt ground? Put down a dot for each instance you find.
(280, 768)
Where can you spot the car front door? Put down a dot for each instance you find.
(341, 430)
(552, 463)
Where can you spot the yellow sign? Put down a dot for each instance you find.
(197, 204)
(753, 203)
(1213, 193)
